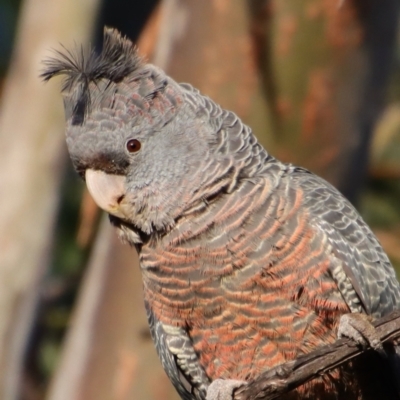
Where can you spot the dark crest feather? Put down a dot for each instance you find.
(118, 59)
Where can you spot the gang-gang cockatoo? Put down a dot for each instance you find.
(247, 262)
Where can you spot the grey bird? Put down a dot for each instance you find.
(247, 262)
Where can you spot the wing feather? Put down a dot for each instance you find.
(178, 358)
(353, 244)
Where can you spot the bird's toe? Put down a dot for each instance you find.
(358, 327)
(222, 389)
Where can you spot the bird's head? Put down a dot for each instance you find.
(142, 150)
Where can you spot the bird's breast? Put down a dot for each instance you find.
(249, 280)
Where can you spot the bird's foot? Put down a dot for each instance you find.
(222, 389)
(358, 327)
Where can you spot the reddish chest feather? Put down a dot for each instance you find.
(253, 288)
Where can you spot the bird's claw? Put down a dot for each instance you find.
(222, 389)
(358, 327)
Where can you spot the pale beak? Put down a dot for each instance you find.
(107, 190)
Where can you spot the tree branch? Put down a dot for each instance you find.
(286, 377)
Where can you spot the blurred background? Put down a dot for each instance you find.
(317, 80)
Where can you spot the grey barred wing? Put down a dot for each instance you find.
(178, 358)
(353, 245)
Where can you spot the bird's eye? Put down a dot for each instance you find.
(133, 145)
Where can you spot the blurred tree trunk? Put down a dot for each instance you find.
(31, 165)
(108, 353)
(325, 66)
(212, 50)
(385, 160)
